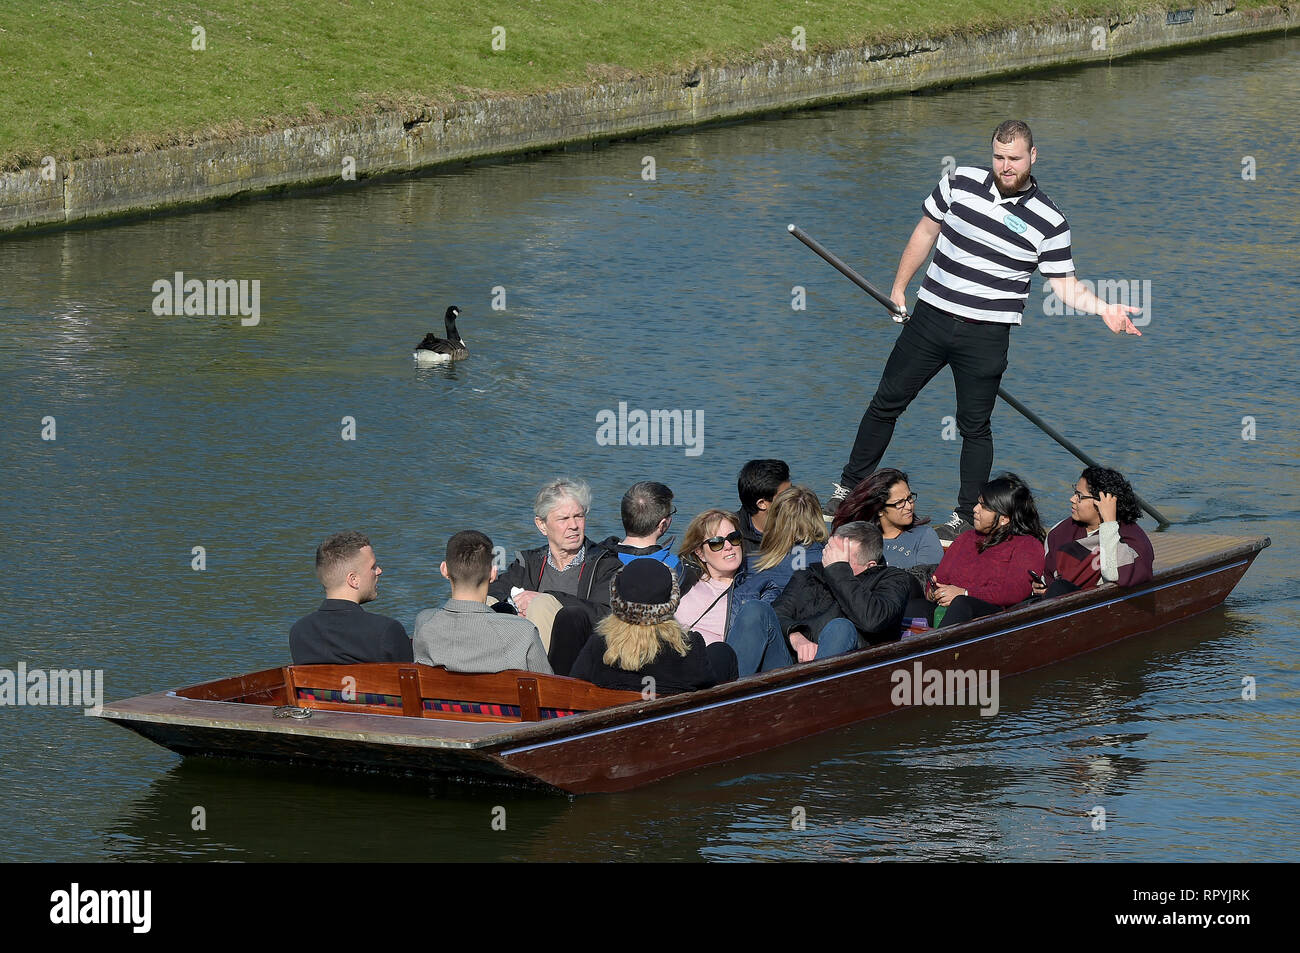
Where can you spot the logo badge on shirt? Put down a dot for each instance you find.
(1015, 224)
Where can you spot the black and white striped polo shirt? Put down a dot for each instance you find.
(989, 246)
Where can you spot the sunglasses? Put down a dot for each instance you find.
(716, 543)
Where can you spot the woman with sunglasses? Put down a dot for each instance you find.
(987, 569)
(1101, 541)
(886, 499)
(711, 549)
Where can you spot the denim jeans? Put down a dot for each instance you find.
(760, 646)
(839, 636)
(756, 637)
(977, 354)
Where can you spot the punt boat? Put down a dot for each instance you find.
(564, 735)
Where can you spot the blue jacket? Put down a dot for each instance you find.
(767, 584)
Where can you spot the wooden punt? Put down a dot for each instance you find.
(562, 734)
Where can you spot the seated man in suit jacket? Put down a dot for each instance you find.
(340, 632)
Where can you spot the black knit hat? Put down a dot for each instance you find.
(644, 592)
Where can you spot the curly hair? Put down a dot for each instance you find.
(1104, 480)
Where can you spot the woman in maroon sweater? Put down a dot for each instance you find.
(1101, 542)
(986, 569)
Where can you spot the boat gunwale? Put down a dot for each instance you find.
(508, 737)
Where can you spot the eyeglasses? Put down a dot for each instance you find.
(716, 543)
(1075, 494)
(899, 504)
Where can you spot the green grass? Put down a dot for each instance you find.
(88, 77)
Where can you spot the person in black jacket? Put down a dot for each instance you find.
(562, 587)
(849, 600)
(340, 632)
(640, 647)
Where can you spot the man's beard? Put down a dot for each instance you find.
(1016, 186)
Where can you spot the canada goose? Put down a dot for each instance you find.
(436, 350)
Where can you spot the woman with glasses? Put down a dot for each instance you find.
(987, 569)
(886, 499)
(1101, 541)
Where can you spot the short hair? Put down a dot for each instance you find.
(866, 537)
(645, 504)
(335, 555)
(759, 480)
(469, 558)
(549, 496)
(1011, 130)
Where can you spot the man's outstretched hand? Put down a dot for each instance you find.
(1116, 318)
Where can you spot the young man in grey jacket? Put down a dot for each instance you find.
(467, 636)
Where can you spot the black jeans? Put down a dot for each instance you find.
(977, 354)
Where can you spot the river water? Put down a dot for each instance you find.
(176, 432)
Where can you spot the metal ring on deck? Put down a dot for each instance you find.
(292, 711)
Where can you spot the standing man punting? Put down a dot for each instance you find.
(989, 229)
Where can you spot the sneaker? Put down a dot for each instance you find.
(950, 530)
(838, 495)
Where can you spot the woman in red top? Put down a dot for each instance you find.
(986, 569)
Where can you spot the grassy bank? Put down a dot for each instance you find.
(89, 77)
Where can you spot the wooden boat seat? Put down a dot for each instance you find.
(425, 691)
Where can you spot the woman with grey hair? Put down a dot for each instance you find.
(563, 586)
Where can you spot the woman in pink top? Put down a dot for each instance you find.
(711, 546)
(988, 568)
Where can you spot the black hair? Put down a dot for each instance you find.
(759, 480)
(1008, 495)
(1104, 480)
(868, 499)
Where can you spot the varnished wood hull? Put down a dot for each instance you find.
(614, 749)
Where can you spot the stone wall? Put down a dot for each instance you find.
(59, 193)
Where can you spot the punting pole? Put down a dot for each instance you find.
(901, 316)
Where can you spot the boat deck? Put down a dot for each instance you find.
(1171, 549)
